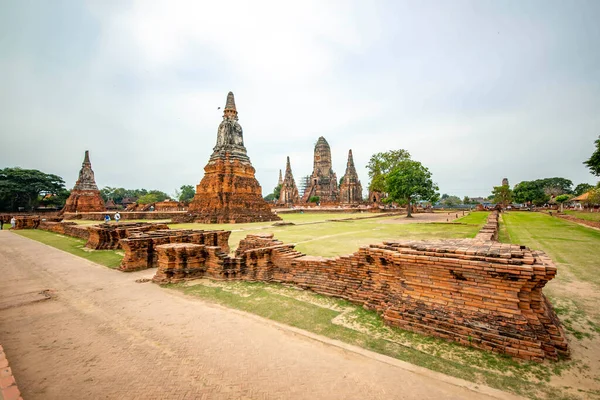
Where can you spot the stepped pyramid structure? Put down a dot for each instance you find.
(289, 191)
(85, 196)
(350, 189)
(323, 181)
(229, 191)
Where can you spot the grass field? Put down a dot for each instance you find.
(588, 216)
(575, 292)
(314, 235)
(75, 246)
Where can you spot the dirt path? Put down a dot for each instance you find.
(101, 335)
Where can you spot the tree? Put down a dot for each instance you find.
(153, 196)
(530, 192)
(270, 197)
(555, 186)
(314, 199)
(593, 163)
(382, 164)
(594, 196)
(277, 192)
(186, 193)
(466, 200)
(502, 195)
(582, 188)
(409, 182)
(451, 201)
(561, 199)
(23, 187)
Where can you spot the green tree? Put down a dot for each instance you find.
(502, 195)
(530, 192)
(555, 186)
(561, 199)
(593, 163)
(23, 187)
(277, 192)
(57, 200)
(270, 197)
(409, 182)
(466, 200)
(314, 199)
(186, 193)
(382, 164)
(451, 201)
(594, 196)
(582, 188)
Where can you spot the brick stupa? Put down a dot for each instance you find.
(323, 181)
(350, 189)
(85, 196)
(229, 191)
(289, 192)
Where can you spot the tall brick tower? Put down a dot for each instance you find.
(85, 196)
(350, 189)
(323, 181)
(229, 191)
(289, 191)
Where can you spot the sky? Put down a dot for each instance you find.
(475, 90)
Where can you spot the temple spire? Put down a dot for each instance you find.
(230, 110)
(86, 158)
(280, 178)
(350, 163)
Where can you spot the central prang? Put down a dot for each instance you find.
(230, 136)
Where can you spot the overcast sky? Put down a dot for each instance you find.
(475, 90)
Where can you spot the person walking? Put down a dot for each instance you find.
(1, 223)
(13, 222)
(106, 219)
(117, 216)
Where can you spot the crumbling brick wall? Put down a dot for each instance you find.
(478, 293)
(107, 236)
(66, 228)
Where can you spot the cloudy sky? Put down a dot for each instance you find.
(475, 90)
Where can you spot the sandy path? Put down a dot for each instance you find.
(103, 336)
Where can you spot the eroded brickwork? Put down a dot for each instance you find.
(478, 293)
(323, 181)
(107, 236)
(140, 247)
(85, 196)
(229, 191)
(289, 192)
(27, 221)
(66, 228)
(350, 189)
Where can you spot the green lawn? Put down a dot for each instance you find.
(588, 216)
(330, 238)
(476, 217)
(75, 246)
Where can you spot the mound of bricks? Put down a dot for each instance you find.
(107, 236)
(478, 293)
(140, 247)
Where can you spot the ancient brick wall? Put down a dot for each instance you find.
(140, 247)
(107, 236)
(27, 221)
(478, 293)
(125, 215)
(489, 231)
(66, 228)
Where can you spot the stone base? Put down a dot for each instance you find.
(84, 201)
(229, 193)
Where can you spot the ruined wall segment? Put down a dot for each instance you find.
(85, 196)
(229, 191)
(323, 181)
(289, 191)
(350, 189)
(482, 294)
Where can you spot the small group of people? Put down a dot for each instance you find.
(13, 223)
(117, 217)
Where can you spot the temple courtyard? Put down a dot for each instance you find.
(73, 328)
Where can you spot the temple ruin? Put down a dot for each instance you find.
(280, 181)
(289, 192)
(323, 181)
(85, 196)
(350, 189)
(229, 191)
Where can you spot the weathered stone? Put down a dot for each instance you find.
(179, 261)
(27, 221)
(107, 236)
(289, 192)
(85, 196)
(229, 191)
(323, 181)
(350, 189)
(280, 181)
